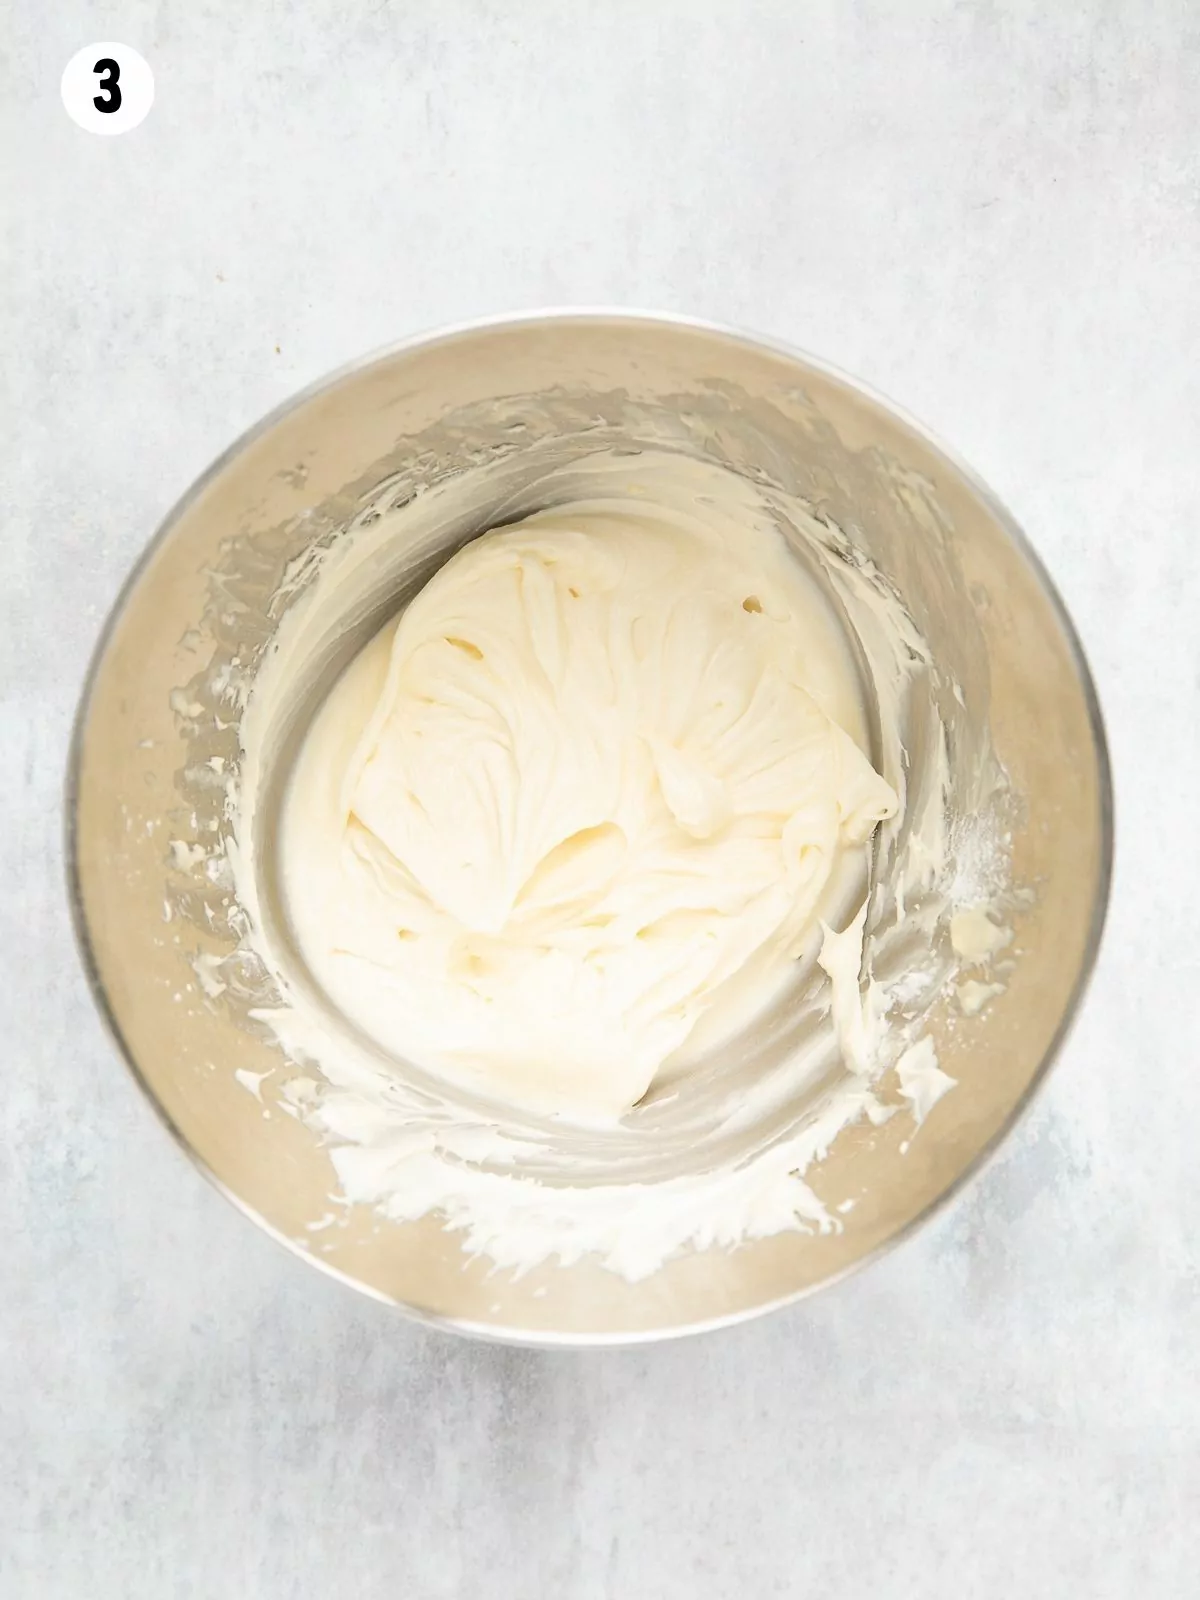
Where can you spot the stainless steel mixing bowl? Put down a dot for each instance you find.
(420, 409)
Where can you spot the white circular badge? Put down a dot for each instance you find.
(107, 88)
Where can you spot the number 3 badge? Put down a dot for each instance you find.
(107, 88)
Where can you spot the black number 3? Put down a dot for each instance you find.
(110, 100)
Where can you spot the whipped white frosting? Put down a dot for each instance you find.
(591, 787)
(839, 932)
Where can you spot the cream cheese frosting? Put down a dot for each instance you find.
(454, 811)
(591, 787)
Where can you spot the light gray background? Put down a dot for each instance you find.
(990, 211)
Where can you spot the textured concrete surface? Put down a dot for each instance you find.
(992, 212)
